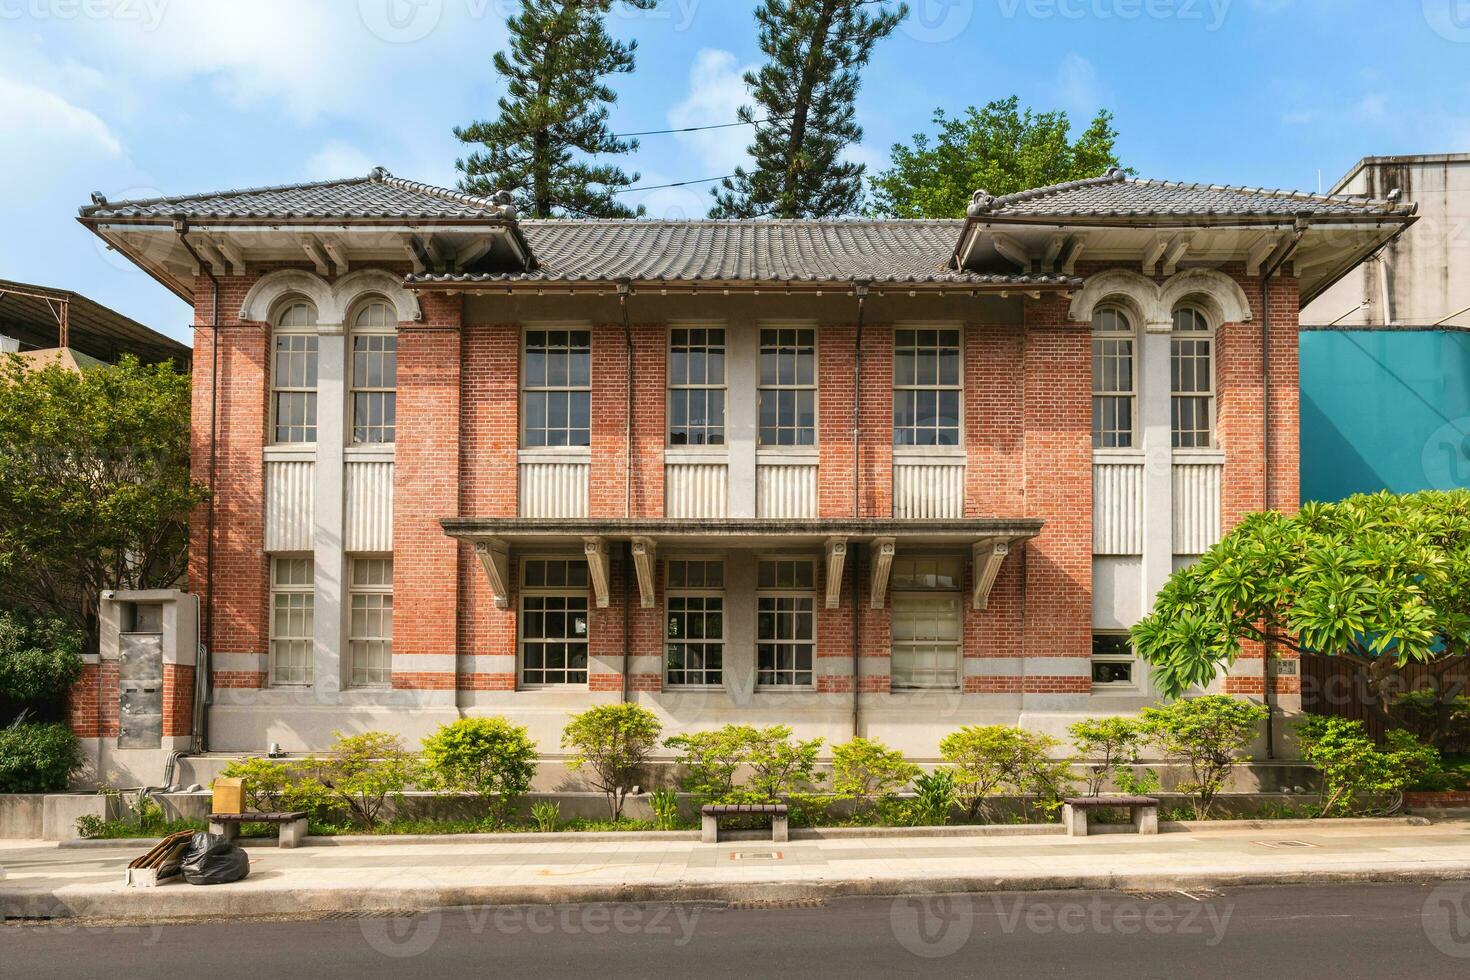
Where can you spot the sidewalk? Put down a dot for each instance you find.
(46, 881)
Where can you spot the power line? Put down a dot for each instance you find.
(689, 129)
(681, 183)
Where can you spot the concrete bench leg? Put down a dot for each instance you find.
(1146, 819)
(292, 834)
(229, 831)
(778, 829)
(709, 829)
(1074, 818)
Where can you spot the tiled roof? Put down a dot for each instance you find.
(1115, 194)
(743, 251)
(378, 196)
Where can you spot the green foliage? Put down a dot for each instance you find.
(1381, 579)
(934, 798)
(555, 108)
(866, 768)
(999, 148)
(487, 756)
(1434, 717)
(546, 815)
(274, 786)
(94, 484)
(37, 758)
(1111, 747)
(40, 659)
(1001, 760)
(711, 759)
(361, 773)
(614, 741)
(1207, 734)
(665, 803)
(1356, 774)
(803, 115)
(780, 769)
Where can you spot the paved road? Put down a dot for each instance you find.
(1370, 931)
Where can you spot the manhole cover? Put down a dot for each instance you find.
(776, 904)
(1285, 843)
(755, 855)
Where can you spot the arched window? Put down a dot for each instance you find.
(293, 373)
(374, 374)
(1113, 379)
(1192, 379)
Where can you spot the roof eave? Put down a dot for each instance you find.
(742, 285)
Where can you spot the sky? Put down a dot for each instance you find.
(139, 98)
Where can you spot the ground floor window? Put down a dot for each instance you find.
(293, 603)
(1113, 662)
(785, 623)
(694, 630)
(553, 622)
(927, 622)
(370, 628)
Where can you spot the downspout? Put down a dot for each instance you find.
(1268, 653)
(200, 734)
(624, 288)
(860, 289)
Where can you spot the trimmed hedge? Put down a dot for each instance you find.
(37, 758)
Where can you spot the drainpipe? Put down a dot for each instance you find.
(200, 735)
(860, 289)
(624, 288)
(1268, 659)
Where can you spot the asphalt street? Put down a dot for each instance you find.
(1399, 930)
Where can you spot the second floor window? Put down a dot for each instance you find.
(926, 388)
(293, 374)
(697, 386)
(1192, 380)
(788, 387)
(1112, 379)
(374, 375)
(695, 627)
(556, 401)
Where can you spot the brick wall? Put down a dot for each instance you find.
(178, 700)
(92, 705)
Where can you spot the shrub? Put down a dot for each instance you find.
(40, 659)
(1207, 734)
(866, 768)
(992, 760)
(934, 798)
(779, 767)
(1354, 771)
(362, 772)
(547, 815)
(487, 756)
(711, 759)
(665, 803)
(37, 758)
(275, 786)
(1440, 721)
(1111, 746)
(614, 741)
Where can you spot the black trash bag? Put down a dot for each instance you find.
(213, 860)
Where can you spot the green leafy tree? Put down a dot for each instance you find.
(803, 113)
(781, 767)
(1382, 580)
(1111, 747)
(1356, 774)
(37, 758)
(94, 484)
(711, 759)
(40, 659)
(553, 116)
(1000, 148)
(1002, 760)
(866, 768)
(361, 773)
(614, 741)
(487, 756)
(1207, 735)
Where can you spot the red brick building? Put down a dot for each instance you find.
(885, 477)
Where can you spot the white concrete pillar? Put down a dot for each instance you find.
(328, 663)
(742, 374)
(1155, 430)
(739, 663)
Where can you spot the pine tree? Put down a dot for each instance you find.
(804, 103)
(555, 107)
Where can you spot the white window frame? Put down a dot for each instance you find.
(938, 387)
(545, 387)
(1123, 438)
(762, 389)
(388, 332)
(779, 594)
(1205, 335)
(366, 646)
(899, 594)
(685, 592)
(570, 592)
(670, 386)
(310, 351)
(287, 645)
(1130, 686)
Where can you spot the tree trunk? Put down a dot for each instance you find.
(801, 109)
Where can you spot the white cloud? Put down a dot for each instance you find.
(338, 159)
(1373, 109)
(46, 128)
(716, 93)
(1079, 90)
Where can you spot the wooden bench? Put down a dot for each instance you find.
(1143, 809)
(292, 825)
(710, 814)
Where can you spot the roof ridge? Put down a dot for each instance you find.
(1278, 192)
(500, 203)
(99, 202)
(855, 222)
(984, 201)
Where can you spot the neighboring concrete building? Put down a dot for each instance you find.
(888, 477)
(47, 325)
(1385, 352)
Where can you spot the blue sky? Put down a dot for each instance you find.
(145, 97)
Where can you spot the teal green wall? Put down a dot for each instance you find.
(1384, 409)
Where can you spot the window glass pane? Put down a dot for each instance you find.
(557, 397)
(785, 623)
(696, 387)
(927, 386)
(926, 630)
